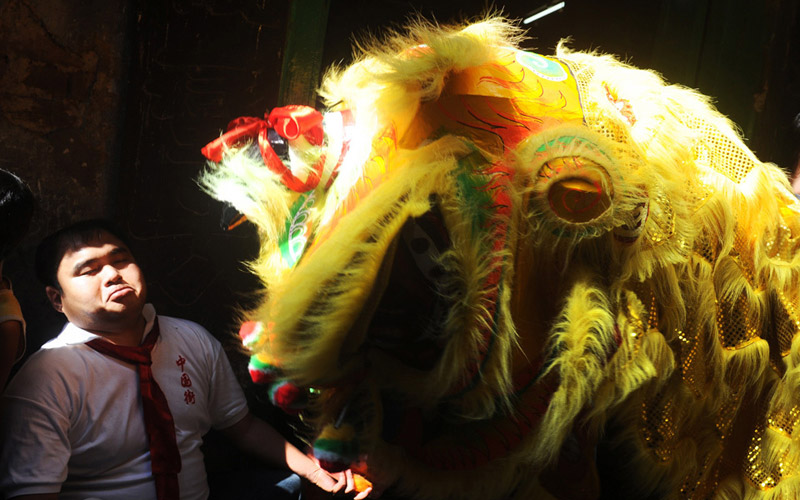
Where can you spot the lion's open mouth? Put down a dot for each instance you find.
(408, 301)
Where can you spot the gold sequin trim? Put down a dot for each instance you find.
(758, 473)
(783, 421)
(659, 418)
(786, 323)
(735, 325)
(718, 152)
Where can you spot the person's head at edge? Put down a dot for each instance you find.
(91, 276)
(16, 211)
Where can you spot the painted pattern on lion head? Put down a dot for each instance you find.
(478, 256)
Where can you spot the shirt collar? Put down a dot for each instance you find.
(72, 335)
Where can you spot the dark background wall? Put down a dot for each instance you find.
(105, 104)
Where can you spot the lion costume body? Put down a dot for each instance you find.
(479, 257)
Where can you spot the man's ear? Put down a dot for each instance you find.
(54, 294)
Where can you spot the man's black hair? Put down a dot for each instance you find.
(16, 210)
(52, 249)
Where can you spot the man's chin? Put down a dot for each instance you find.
(126, 308)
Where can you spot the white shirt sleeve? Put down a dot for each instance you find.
(35, 430)
(227, 401)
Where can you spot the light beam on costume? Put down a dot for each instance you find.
(544, 12)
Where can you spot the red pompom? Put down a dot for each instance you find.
(288, 396)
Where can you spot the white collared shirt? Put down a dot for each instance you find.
(75, 421)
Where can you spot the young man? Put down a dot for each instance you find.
(116, 405)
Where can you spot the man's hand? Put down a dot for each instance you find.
(260, 439)
(339, 483)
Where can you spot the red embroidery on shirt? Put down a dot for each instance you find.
(185, 380)
(181, 361)
(188, 397)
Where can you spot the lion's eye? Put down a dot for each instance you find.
(581, 197)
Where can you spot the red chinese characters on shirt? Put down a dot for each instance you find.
(188, 395)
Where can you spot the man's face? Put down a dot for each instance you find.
(102, 288)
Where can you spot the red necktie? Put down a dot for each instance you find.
(164, 455)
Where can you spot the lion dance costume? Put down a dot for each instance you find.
(478, 257)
